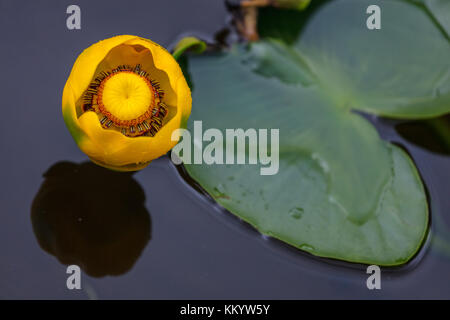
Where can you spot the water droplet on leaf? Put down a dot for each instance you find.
(296, 212)
(306, 247)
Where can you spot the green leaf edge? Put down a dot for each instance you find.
(188, 43)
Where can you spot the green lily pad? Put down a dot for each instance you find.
(340, 191)
(440, 9)
(402, 70)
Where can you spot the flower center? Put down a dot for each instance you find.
(126, 95)
(126, 99)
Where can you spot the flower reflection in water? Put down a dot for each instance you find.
(93, 217)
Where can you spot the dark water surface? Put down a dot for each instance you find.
(177, 244)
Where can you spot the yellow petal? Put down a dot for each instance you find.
(163, 60)
(84, 68)
(113, 148)
(70, 116)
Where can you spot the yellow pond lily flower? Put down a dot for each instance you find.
(124, 98)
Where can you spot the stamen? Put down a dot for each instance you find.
(146, 126)
(148, 123)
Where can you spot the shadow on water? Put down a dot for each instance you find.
(431, 134)
(92, 217)
(433, 137)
